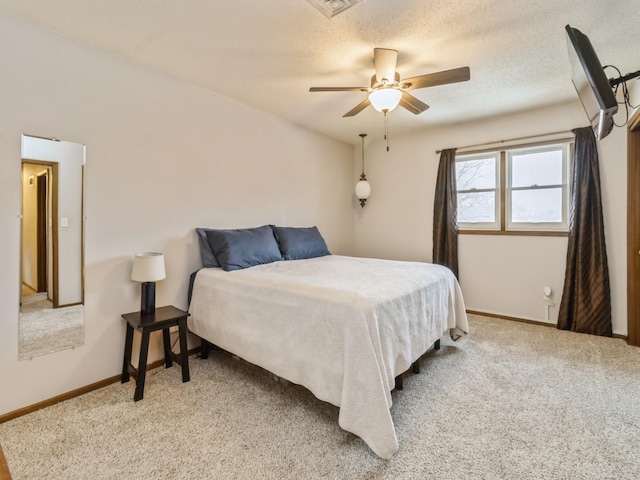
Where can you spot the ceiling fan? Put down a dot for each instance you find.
(387, 91)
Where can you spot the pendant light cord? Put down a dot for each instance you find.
(363, 177)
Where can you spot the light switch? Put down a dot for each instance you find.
(64, 222)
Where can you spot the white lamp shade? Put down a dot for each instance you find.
(385, 99)
(148, 267)
(363, 189)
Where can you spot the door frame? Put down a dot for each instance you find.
(633, 230)
(53, 195)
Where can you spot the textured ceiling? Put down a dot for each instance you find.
(268, 53)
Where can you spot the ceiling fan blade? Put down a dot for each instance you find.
(461, 74)
(385, 61)
(339, 89)
(358, 108)
(412, 104)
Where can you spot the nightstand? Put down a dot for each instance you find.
(163, 319)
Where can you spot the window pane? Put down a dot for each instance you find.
(537, 168)
(476, 207)
(537, 206)
(476, 174)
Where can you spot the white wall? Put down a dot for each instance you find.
(498, 274)
(163, 157)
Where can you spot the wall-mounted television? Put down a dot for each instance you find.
(593, 87)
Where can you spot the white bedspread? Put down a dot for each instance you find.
(343, 327)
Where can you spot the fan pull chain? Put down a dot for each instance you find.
(386, 129)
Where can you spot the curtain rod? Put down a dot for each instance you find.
(566, 133)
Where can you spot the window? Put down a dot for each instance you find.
(520, 189)
(478, 184)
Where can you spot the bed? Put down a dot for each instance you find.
(343, 327)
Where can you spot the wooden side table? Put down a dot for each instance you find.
(163, 319)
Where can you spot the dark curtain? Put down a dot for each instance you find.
(445, 205)
(586, 299)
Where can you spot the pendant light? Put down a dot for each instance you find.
(363, 189)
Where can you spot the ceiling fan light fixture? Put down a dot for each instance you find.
(330, 8)
(385, 99)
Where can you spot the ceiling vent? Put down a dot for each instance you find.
(330, 8)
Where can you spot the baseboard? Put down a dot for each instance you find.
(531, 322)
(513, 319)
(76, 393)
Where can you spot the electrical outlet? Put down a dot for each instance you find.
(173, 329)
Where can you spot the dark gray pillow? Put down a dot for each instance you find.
(207, 255)
(298, 243)
(245, 247)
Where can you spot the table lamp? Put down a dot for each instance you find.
(148, 268)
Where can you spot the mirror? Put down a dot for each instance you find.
(52, 247)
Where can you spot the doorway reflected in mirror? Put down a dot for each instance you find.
(52, 247)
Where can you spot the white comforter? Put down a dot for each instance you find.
(343, 327)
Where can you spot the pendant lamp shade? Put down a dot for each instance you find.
(363, 189)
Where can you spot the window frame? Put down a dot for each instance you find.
(504, 226)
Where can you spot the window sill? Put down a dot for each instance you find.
(516, 233)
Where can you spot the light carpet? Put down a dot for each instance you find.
(508, 401)
(44, 329)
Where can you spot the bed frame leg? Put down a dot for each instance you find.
(399, 385)
(415, 366)
(436, 346)
(205, 348)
